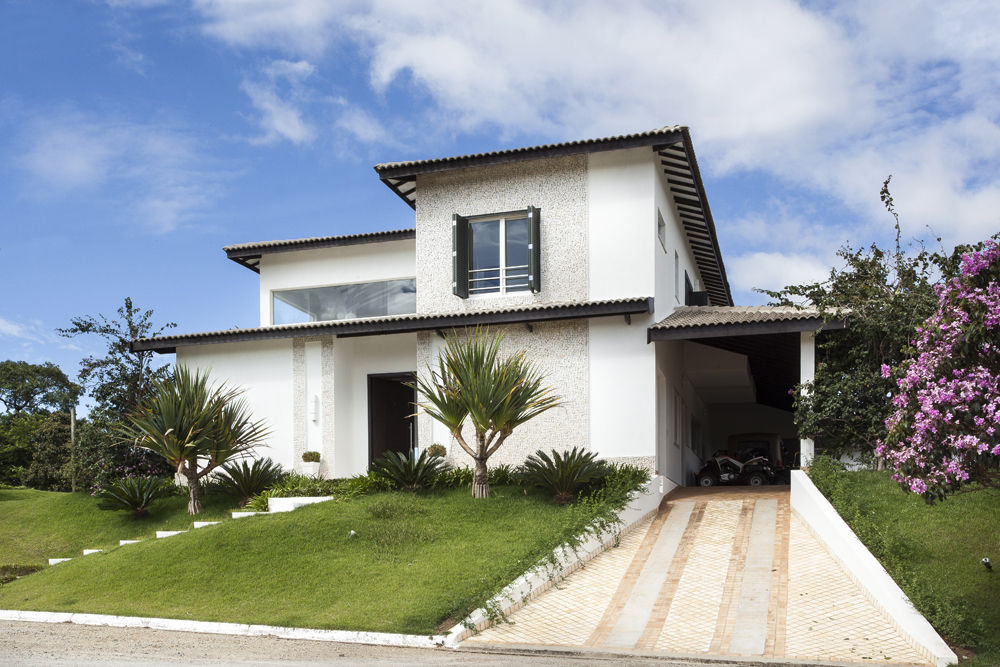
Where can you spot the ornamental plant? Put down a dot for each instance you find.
(943, 433)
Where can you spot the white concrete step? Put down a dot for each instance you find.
(87, 552)
(289, 504)
(168, 533)
(202, 524)
(56, 561)
(122, 543)
(241, 515)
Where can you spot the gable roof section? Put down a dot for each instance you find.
(680, 168)
(249, 254)
(694, 322)
(374, 326)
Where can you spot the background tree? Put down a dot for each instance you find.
(28, 387)
(195, 427)
(496, 394)
(945, 430)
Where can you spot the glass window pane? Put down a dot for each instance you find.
(484, 274)
(517, 242)
(339, 302)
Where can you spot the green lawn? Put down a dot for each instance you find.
(933, 552)
(416, 562)
(38, 525)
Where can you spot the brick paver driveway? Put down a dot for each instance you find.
(717, 572)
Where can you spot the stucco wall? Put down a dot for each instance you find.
(557, 186)
(560, 349)
(367, 262)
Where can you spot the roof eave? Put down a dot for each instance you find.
(696, 331)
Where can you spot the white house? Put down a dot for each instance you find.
(598, 257)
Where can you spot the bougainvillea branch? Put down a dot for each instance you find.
(945, 430)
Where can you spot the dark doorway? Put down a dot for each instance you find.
(391, 425)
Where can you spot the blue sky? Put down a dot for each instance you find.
(139, 137)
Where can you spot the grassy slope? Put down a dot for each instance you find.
(933, 551)
(38, 525)
(418, 560)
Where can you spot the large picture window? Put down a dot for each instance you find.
(343, 302)
(497, 253)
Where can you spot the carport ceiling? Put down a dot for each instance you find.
(774, 363)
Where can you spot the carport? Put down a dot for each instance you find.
(738, 365)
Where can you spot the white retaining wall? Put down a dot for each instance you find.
(855, 558)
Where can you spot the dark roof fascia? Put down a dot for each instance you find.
(410, 324)
(744, 329)
(244, 252)
(408, 171)
(696, 174)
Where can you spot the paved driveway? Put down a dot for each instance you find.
(717, 572)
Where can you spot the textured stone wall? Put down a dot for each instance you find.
(557, 186)
(560, 350)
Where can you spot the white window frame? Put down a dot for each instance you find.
(478, 292)
(661, 230)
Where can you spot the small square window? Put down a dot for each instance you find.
(497, 253)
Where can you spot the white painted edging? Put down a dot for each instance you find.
(541, 577)
(288, 504)
(344, 636)
(855, 558)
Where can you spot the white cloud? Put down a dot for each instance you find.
(15, 330)
(300, 27)
(154, 171)
(363, 126)
(279, 97)
(774, 270)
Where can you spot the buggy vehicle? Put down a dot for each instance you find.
(725, 469)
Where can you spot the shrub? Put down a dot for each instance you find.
(563, 473)
(454, 478)
(408, 473)
(244, 481)
(310, 457)
(503, 475)
(437, 450)
(134, 494)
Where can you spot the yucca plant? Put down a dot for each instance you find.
(244, 481)
(134, 494)
(408, 472)
(563, 473)
(496, 394)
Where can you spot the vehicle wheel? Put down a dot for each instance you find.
(707, 480)
(757, 479)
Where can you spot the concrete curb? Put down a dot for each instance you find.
(865, 569)
(343, 636)
(540, 578)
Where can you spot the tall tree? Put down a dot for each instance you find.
(26, 387)
(496, 394)
(121, 379)
(194, 426)
(945, 430)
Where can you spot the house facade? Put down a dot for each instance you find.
(597, 257)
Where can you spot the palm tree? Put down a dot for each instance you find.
(496, 394)
(195, 426)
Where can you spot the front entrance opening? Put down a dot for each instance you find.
(391, 425)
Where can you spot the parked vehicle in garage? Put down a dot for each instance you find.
(725, 469)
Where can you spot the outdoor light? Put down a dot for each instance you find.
(987, 564)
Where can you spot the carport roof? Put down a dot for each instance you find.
(694, 322)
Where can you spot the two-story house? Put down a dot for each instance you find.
(597, 257)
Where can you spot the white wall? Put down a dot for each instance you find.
(367, 262)
(354, 360)
(264, 369)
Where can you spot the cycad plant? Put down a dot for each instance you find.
(195, 426)
(409, 473)
(243, 481)
(496, 394)
(134, 494)
(563, 473)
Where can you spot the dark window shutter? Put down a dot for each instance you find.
(534, 249)
(460, 256)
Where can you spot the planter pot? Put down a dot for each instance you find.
(310, 468)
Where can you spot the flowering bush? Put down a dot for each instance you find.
(944, 430)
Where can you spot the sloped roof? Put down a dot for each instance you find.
(671, 143)
(373, 326)
(692, 322)
(249, 254)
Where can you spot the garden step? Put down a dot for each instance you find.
(122, 543)
(241, 515)
(202, 524)
(289, 504)
(168, 533)
(56, 561)
(87, 552)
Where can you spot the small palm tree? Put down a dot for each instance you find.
(195, 426)
(496, 394)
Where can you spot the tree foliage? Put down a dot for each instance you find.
(122, 378)
(495, 394)
(943, 433)
(26, 387)
(195, 426)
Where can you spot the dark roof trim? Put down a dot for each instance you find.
(402, 324)
(249, 254)
(695, 332)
